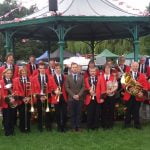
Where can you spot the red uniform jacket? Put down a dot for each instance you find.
(51, 86)
(54, 97)
(86, 73)
(102, 78)
(142, 80)
(20, 90)
(29, 69)
(98, 89)
(15, 71)
(4, 93)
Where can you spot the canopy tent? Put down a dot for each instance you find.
(106, 53)
(131, 56)
(44, 56)
(54, 55)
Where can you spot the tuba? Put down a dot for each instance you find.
(132, 86)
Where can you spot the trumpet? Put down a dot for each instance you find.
(92, 90)
(58, 93)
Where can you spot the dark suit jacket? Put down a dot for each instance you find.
(74, 88)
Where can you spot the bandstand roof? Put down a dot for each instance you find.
(98, 20)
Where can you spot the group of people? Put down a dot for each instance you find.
(43, 89)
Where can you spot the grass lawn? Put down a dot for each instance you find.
(115, 139)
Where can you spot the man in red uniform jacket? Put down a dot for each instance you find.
(9, 64)
(133, 102)
(93, 87)
(43, 86)
(31, 66)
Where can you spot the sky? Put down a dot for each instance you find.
(137, 4)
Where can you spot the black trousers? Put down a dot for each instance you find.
(133, 108)
(75, 108)
(44, 118)
(108, 112)
(24, 117)
(61, 114)
(93, 114)
(8, 120)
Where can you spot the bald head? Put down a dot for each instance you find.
(135, 66)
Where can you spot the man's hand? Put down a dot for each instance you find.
(76, 97)
(140, 94)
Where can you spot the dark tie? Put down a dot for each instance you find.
(106, 78)
(93, 80)
(135, 75)
(75, 78)
(60, 80)
(142, 69)
(33, 67)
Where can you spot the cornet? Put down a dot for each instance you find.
(58, 93)
(92, 89)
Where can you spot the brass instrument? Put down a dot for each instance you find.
(132, 86)
(10, 99)
(92, 89)
(58, 93)
(44, 96)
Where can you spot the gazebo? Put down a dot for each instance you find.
(78, 20)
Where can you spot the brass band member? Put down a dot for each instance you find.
(8, 101)
(10, 65)
(110, 85)
(22, 86)
(60, 99)
(133, 102)
(31, 66)
(43, 85)
(92, 99)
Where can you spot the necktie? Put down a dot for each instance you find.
(75, 78)
(33, 67)
(142, 69)
(8, 81)
(60, 81)
(106, 78)
(93, 80)
(135, 76)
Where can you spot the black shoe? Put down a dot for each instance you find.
(138, 127)
(127, 126)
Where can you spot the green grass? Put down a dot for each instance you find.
(115, 139)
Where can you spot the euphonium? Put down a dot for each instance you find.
(132, 86)
(10, 97)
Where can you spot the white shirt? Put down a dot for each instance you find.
(133, 74)
(107, 76)
(59, 78)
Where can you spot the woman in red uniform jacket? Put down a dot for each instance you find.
(110, 87)
(23, 89)
(8, 103)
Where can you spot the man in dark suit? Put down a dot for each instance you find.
(75, 89)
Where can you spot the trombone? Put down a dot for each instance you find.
(26, 101)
